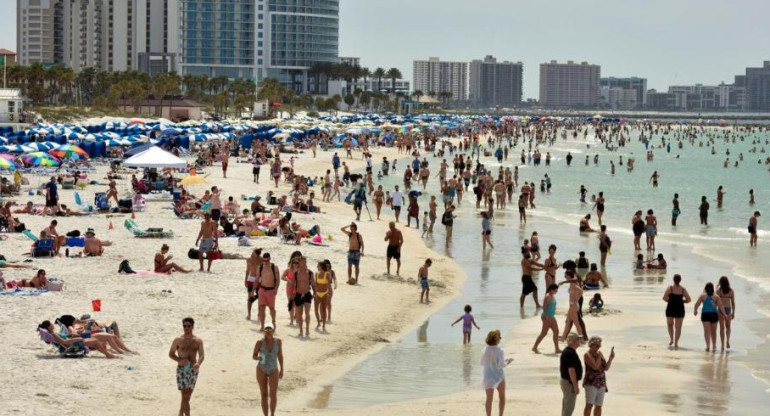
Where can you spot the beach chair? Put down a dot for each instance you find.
(101, 202)
(82, 206)
(76, 350)
(43, 248)
(150, 233)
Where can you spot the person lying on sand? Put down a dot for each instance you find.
(66, 212)
(37, 282)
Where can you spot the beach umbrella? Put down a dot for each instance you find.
(7, 156)
(7, 164)
(19, 149)
(193, 180)
(69, 151)
(171, 131)
(40, 159)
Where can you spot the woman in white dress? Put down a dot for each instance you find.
(494, 362)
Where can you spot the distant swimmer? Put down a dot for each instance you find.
(720, 196)
(704, 211)
(753, 229)
(654, 179)
(675, 211)
(751, 196)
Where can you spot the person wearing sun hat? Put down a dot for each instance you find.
(268, 352)
(93, 247)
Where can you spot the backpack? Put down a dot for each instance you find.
(192, 254)
(73, 233)
(125, 268)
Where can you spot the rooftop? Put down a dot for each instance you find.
(10, 94)
(7, 52)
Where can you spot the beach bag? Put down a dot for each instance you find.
(215, 255)
(73, 233)
(349, 198)
(125, 268)
(55, 285)
(192, 254)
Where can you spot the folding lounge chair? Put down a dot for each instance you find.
(43, 248)
(79, 202)
(139, 233)
(76, 350)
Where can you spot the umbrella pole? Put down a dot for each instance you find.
(367, 211)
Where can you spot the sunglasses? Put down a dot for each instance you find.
(187, 326)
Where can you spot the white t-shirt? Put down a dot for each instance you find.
(398, 198)
(368, 162)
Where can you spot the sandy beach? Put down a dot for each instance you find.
(365, 317)
(647, 377)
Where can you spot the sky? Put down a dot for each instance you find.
(669, 42)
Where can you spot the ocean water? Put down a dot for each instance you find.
(431, 360)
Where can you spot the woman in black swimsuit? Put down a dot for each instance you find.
(637, 224)
(599, 205)
(675, 297)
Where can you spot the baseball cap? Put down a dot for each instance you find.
(269, 326)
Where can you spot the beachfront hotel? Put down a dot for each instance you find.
(569, 85)
(628, 93)
(439, 76)
(495, 83)
(251, 39)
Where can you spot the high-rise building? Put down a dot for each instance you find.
(257, 39)
(698, 97)
(352, 61)
(439, 76)
(36, 31)
(637, 85)
(569, 85)
(758, 87)
(108, 35)
(617, 98)
(495, 83)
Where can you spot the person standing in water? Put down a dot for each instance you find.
(675, 210)
(753, 229)
(187, 351)
(704, 211)
(651, 229)
(599, 206)
(751, 196)
(269, 354)
(675, 297)
(654, 179)
(712, 307)
(528, 266)
(486, 231)
(727, 296)
(494, 362)
(468, 324)
(548, 317)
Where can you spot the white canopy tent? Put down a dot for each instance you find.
(155, 157)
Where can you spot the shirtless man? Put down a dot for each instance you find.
(94, 247)
(528, 266)
(651, 224)
(187, 351)
(753, 229)
(704, 211)
(268, 281)
(208, 239)
(355, 250)
(395, 240)
(252, 287)
(225, 156)
(301, 284)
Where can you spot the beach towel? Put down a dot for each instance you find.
(313, 243)
(150, 273)
(22, 292)
(30, 235)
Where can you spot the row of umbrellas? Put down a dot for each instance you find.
(44, 159)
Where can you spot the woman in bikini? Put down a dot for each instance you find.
(575, 293)
(332, 288)
(550, 265)
(378, 198)
(322, 290)
(269, 353)
(535, 250)
(727, 295)
(288, 277)
(162, 264)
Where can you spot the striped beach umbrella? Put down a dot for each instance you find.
(7, 164)
(40, 159)
(69, 151)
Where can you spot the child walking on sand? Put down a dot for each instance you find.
(468, 320)
(422, 275)
(425, 222)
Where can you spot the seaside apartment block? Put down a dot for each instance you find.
(757, 83)
(623, 93)
(439, 76)
(251, 39)
(495, 83)
(108, 35)
(569, 85)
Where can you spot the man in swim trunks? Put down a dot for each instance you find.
(355, 250)
(302, 283)
(704, 211)
(753, 229)
(395, 240)
(651, 228)
(528, 266)
(252, 288)
(208, 238)
(187, 351)
(268, 281)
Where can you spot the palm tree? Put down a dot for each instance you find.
(365, 74)
(393, 74)
(379, 73)
(417, 94)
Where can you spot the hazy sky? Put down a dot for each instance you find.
(667, 41)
